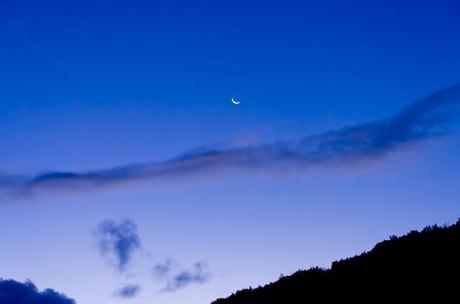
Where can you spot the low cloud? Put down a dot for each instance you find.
(13, 292)
(430, 117)
(177, 278)
(128, 291)
(198, 275)
(162, 270)
(118, 241)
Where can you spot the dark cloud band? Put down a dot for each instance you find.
(427, 118)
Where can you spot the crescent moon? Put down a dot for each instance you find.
(235, 101)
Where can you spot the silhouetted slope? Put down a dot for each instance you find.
(419, 267)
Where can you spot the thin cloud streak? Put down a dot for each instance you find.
(427, 118)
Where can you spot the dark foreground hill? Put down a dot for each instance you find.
(420, 267)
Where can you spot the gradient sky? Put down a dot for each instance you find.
(96, 84)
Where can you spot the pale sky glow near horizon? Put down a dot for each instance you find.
(96, 85)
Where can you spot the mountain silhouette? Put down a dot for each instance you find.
(419, 267)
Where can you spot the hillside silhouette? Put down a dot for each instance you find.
(418, 267)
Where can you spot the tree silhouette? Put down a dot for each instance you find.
(418, 267)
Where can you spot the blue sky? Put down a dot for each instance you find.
(98, 84)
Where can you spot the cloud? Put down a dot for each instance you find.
(430, 117)
(118, 241)
(179, 279)
(128, 291)
(13, 292)
(161, 270)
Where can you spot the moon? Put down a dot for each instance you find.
(235, 101)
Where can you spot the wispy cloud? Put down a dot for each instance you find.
(162, 270)
(176, 280)
(26, 293)
(427, 118)
(118, 241)
(128, 291)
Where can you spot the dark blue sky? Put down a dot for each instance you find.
(90, 85)
(71, 68)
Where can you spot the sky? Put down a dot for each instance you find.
(128, 176)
